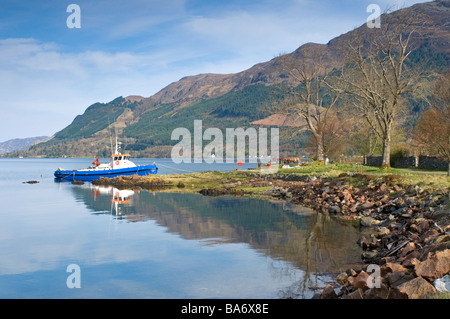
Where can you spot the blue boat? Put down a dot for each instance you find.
(119, 165)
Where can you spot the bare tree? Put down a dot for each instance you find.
(432, 131)
(334, 132)
(376, 75)
(363, 139)
(309, 99)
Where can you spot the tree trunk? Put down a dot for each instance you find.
(386, 152)
(319, 150)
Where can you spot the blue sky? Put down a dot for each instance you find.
(50, 73)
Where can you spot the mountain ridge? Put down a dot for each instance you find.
(269, 71)
(214, 97)
(20, 144)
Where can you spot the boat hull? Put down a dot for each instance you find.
(85, 175)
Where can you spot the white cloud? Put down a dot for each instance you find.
(264, 34)
(39, 80)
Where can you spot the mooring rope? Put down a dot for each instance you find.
(179, 169)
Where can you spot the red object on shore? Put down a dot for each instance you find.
(96, 162)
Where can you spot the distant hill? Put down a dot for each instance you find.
(144, 124)
(19, 144)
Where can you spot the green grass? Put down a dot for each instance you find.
(239, 179)
(433, 181)
(443, 295)
(215, 179)
(333, 170)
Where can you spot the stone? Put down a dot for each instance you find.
(407, 249)
(385, 199)
(328, 293)
(326, 189)
(428, 249)
(346, 195)
(414, 237)
(360, 281)
(367, 243)
(354, 208)
(385, 260)
(415, 254)
(351, 272)
(357, 294)
(342, 278)
(390, 267)
(369, 254)
(367, 205)
(423, 225)
(334, 210)
(417, 288)
(410, 263)
(435, 266)
(428, 235)
(394, 293)
(350, 280)
(366, 221)
(441, 239)
(377, 293)
(383, 231)
(399, 211)
(396, 278)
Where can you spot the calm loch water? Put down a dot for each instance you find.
(145, 244)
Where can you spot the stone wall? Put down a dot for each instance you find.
(406, 161)
(424, 162)
(431, 162)
(373, 160)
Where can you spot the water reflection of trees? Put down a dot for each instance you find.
(299, 237)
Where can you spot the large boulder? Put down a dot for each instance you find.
(417, 288)
(328, 293)
(360, 281)
(397, 278)
(435, 266)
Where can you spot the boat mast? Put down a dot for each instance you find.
(117, 148)
(116, 152)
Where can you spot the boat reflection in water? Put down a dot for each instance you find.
(120, 198)
(300, 237)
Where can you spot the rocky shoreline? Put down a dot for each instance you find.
(406, 232)
(405, 228)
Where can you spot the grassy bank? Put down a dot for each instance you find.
(418, 177)
(256, 183)
(238, 179)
